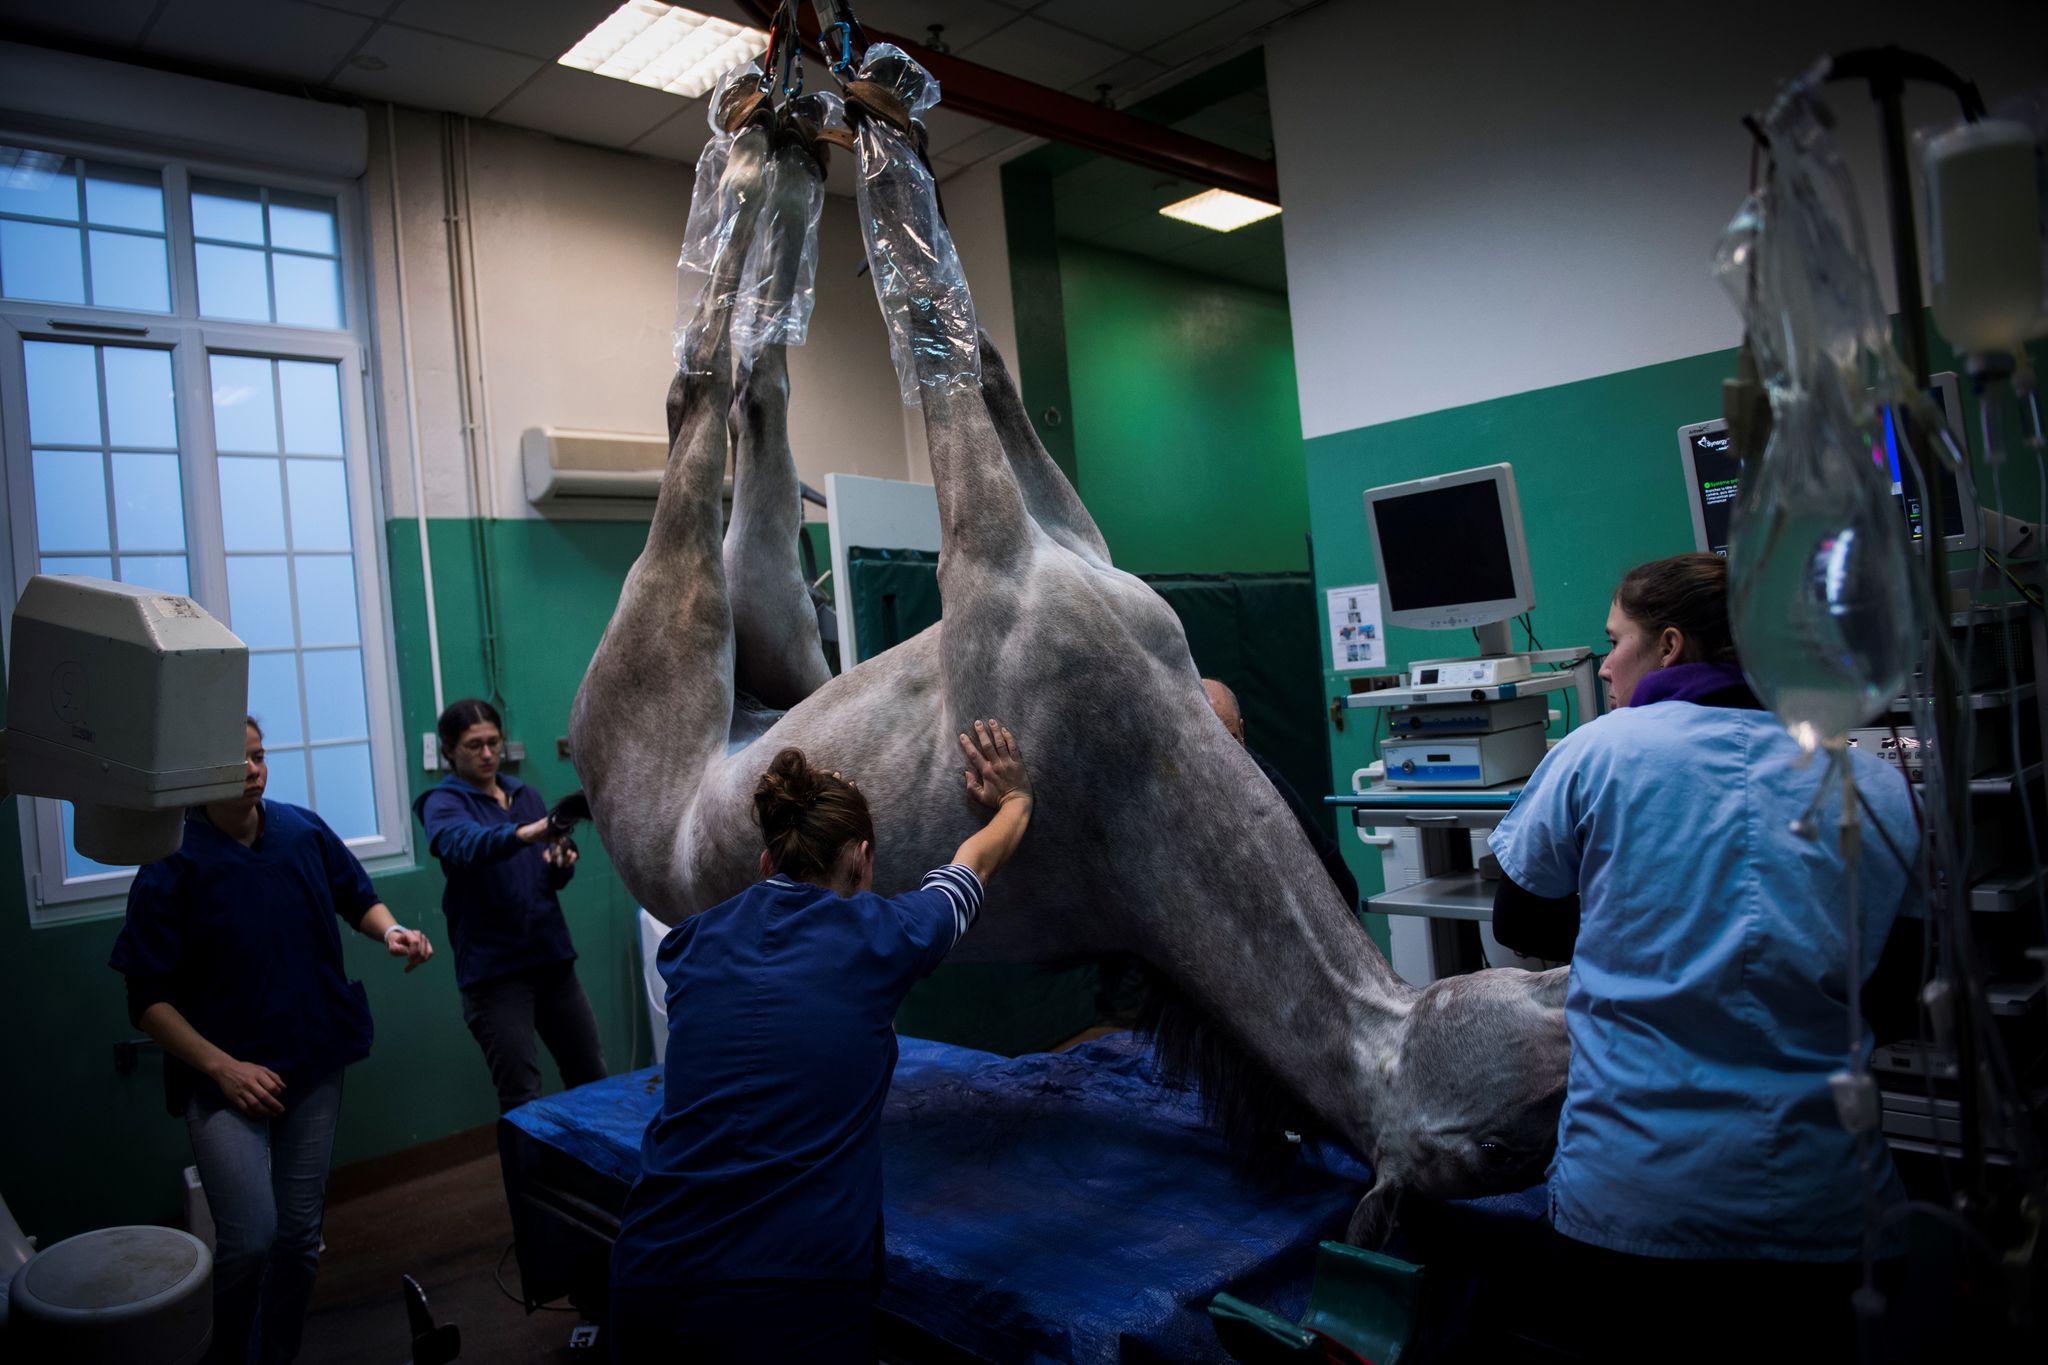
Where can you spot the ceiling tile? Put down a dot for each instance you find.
(1217, 250)
(373, 8)
(1148, 235)
(679, 137)
(1219, 32)
(948, 129)
(431, 72)
(537, 28)
(575, 104)
(991, 141)
(966, 21)
(1261, 272)
(1126, 76)
(273, 37)
(109, 21)
(1132, 25)
(1039, 52)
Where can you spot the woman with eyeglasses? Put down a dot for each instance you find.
(505, 857)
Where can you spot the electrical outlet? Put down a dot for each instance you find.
(515, 752)
(430, 752)
(562, 747)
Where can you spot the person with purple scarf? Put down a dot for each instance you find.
(1699, 1157)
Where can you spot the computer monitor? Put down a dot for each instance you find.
(1450, 552)
(1713, 474)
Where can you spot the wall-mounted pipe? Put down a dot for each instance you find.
(412, 407)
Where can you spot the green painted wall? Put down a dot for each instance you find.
(1597, 468)
(1186, 425)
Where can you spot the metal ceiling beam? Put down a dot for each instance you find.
(997, 97)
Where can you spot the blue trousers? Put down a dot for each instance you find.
(266, 1186)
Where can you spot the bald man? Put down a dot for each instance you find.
(1223, 702)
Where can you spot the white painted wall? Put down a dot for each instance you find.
(1529, 195)
(576, 284)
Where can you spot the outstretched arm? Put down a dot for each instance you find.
(996, 778)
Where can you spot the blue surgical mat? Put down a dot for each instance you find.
(1055, 1206)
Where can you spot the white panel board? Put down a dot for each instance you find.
(876, 514)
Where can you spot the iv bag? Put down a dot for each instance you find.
(1822, 588)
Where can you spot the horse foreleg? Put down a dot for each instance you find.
(656, 703)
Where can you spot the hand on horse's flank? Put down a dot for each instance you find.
(995, 766)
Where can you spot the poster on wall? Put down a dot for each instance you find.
(1355, 640)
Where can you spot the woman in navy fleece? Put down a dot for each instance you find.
(754, 1230)
(505, 859)
(233, 960)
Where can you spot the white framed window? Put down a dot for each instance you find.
(182, 404)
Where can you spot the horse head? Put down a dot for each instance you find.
(1474, 1085)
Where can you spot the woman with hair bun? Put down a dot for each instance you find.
(754, 1231)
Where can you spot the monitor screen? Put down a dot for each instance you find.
(1444, 546)
(1716, 475)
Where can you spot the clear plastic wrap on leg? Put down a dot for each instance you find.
(709, 226)
(1824, 599)
(779, 284)
(933, 335)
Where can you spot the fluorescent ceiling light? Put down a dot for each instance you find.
(1220, 210)
(665, 47)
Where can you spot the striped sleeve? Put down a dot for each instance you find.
(962, 888)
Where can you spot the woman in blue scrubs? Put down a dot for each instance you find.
(233, 962)
(1700, 1162)
(754, 1230)
(505, 857)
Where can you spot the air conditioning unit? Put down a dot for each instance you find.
(568, 468)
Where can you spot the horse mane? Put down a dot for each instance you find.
(1193, 1048)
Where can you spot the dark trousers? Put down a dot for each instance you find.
(504, 1012)
(1641, 1308)
(818, 1322)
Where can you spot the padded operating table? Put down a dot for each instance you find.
(1055, 1206)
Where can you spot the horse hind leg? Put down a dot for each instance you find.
(778, 658)
(1048, 497)
(655, 705)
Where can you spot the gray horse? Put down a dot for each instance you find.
(1155, 836)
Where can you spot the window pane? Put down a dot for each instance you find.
(302, 222)
(319, 504)
(63, 393)
(327, 599)
(71, 501)
(38, 261)
(335, 708)
(251, 505)
(232, 213)
(39, 184)
(287, 775)
(244, 405)
(308, 290)
(274, 697)
(231, 283)
(312, 407)
(129, 272)
(165, 573)
(260, 601)
(76, 864)
(140, 406)
(149, 502)
(124, 196)
(341, 782)
(87, 566)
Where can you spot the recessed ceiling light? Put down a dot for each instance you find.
(1220, 210)
(665, 47)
